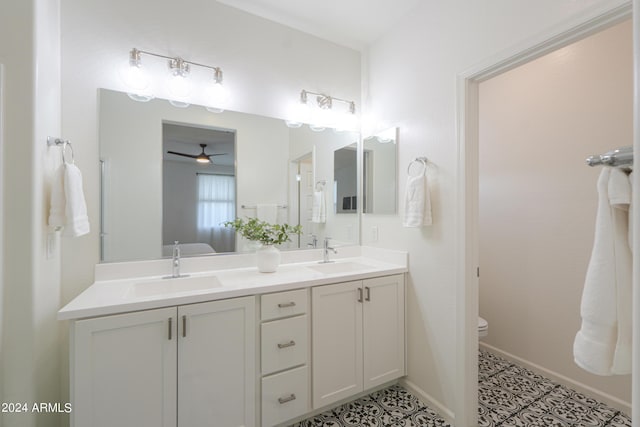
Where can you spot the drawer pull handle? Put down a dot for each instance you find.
(286, 304)
(170, 327)
(184, 326)
(359, 294)
(368, 293)
(287, 344)
(283, 400)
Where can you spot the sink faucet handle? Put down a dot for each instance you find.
(314, 241)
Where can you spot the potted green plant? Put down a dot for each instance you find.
(268, 235)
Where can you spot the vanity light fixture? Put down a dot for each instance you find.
(322, 113)
(178, 82)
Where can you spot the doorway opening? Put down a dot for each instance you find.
(468, 214)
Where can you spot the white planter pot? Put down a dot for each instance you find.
(267, 259)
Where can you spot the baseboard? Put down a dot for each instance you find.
(428, 400)
(612, 401)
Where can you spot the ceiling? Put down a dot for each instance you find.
(351, 23)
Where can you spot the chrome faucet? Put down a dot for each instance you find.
(325, 252)
(314, 242)
(175, 263)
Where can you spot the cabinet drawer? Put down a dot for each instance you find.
(285, 396)
(285, 343)
(283, 304)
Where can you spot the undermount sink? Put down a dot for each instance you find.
(339, 267)
(173, 285)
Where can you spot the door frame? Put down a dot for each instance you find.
(467, 245)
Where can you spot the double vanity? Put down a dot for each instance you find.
(229, 346)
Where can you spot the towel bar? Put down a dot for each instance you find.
(254, 206)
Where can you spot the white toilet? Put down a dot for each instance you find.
(483, 327)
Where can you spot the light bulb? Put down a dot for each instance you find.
(217, 97)
(179, 89)
(135, 78)
(299, 115)
(346, 122)
(321, 118)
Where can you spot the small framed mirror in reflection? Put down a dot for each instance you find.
(380, 172)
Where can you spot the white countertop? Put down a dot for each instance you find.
(134, 286)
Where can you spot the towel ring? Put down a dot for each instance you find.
(64, 150)
(53, 141)
(418, 160)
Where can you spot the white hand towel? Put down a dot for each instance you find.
(77, 221)
(602, 346)
(417, 202)
(319, 208)
(57, 217)
(267, 212)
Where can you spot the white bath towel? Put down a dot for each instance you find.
(77, 223)
(603, 344)
(68, 208)
(267, 212)
(57, 217)
(319, 207)
(417, 202)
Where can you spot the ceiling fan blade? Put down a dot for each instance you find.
(182, 154)
(221, 154)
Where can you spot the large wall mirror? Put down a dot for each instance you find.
(154, 191)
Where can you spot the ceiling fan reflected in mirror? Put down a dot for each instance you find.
(200, 158)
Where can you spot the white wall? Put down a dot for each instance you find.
(538, 200)
(412, 85)
(30, 51)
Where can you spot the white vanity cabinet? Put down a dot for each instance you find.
(284, 361)
(358, 337)
(189, 366)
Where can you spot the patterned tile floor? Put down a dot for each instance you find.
(509, 395)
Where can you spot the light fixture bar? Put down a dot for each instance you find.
(325, 101)
(175, 62)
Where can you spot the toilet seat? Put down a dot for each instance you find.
(483, 327)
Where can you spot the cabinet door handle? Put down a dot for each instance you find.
(184, 326)
(170, 327)
(359, 294)
(367, 293)
(287, 344)
(289, 398)
(286, 304)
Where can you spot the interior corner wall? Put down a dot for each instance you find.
(30, 52)
(412, 74)
(538, 200)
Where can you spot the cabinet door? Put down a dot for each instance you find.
(216, 363)
(337, 342)
(383, 330)
(124, 370)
